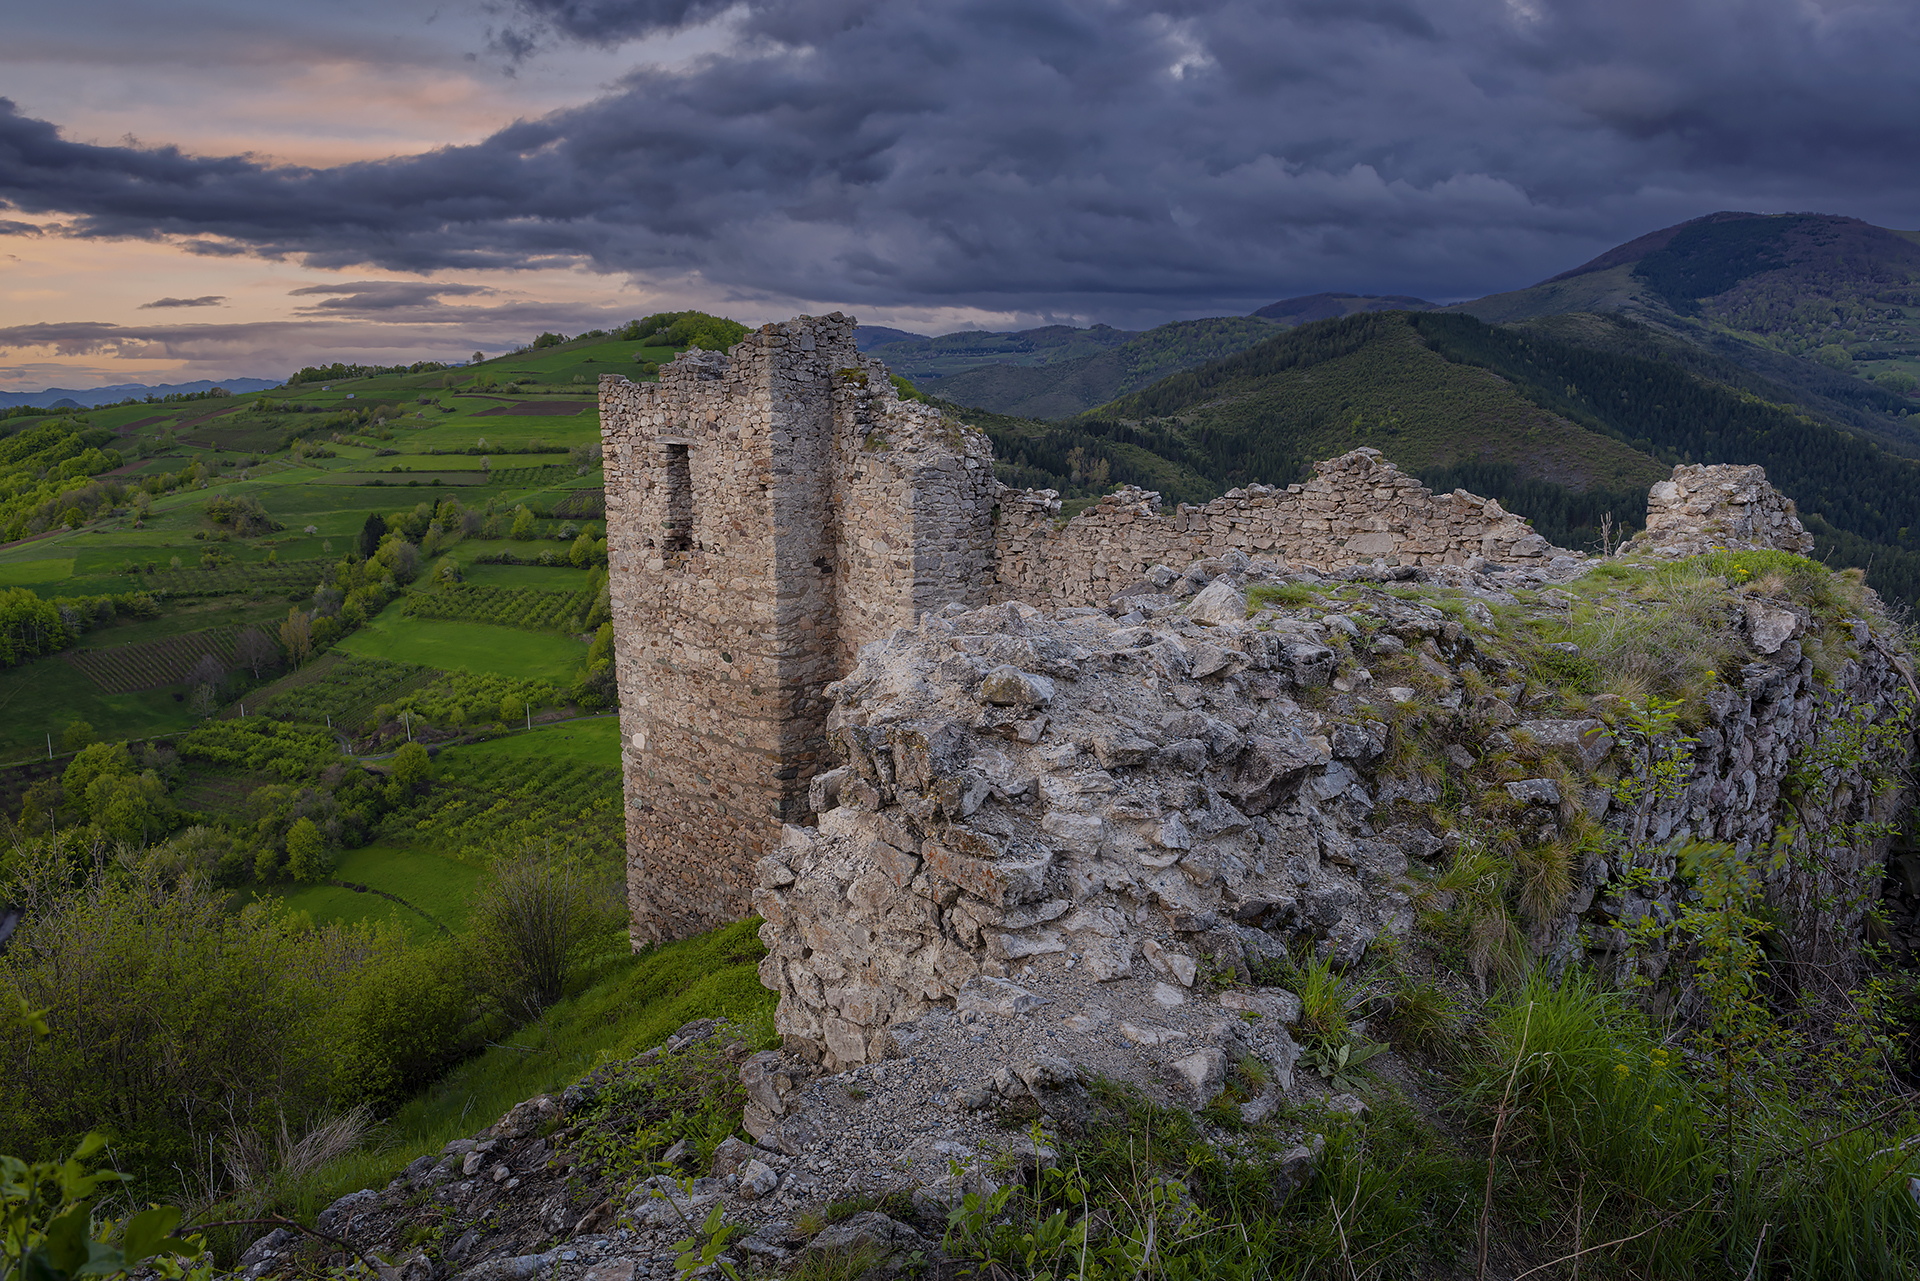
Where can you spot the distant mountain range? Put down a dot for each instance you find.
(1058, 371)
(87, 398)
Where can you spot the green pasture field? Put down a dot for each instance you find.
(592, 739)
(439, 478)
(438, 886)
(32, 573)
(504, 432)
(46, 695)
(469, 552)
(471, 647)
(412, 460)
(546, 578)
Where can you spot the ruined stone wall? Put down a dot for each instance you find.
(775, 509)
(914, 494)
(1358, 508)
(769, 510)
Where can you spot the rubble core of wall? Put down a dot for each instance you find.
(770, 509)
(1358, 509)
(1098, 805)
(1703, 508)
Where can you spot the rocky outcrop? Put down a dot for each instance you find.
(1096, 805)
(1703, 508)
(563, 1188)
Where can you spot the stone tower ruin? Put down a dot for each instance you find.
(769, 511)
(773, 508)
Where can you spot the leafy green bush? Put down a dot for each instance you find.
(536, 918)
(173, 1020)
(289, 752)
(406, 1019)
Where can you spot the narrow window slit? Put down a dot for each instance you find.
(676, 534)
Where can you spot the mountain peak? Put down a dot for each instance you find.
(1328, 306)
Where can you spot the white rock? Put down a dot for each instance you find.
(1150, 1036)
(1203, 1072)
(1219, 602)
(984, 994)
(756, 1180)
(1177, 965)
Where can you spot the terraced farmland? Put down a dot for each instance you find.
(260, 699)
(528, 476)
(347, 691)
(521, 607)
(122, 669)
(293, 575)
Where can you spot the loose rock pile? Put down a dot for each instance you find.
(1102, 804)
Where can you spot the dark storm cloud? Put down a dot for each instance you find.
(377, 297)
(208, 300)
(1114, 158)
(599, 22)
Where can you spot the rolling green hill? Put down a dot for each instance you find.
(1058, 371)
(1825, 308)
(1372, 379)
(922, 359)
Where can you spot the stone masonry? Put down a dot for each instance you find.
(1358, 508)
(769, 510)
(1701, 508)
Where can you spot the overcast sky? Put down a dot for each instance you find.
(238, 187)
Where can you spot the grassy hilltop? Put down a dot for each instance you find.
(360, 559)
(231, 627)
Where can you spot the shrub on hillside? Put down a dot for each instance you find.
(172, 1018)
(536, 918)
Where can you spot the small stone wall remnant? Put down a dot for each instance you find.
(1702, 508)
(1358, 509)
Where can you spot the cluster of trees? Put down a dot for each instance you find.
(683, 329)
(31, 626)
(241, 513)
(337, 372)
(45, 473)
(288, 829)
(172, 397)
